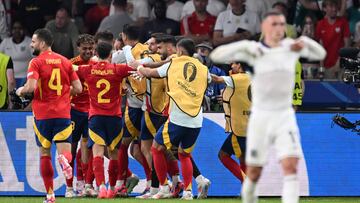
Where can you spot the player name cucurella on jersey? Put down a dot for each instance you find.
(102, 72)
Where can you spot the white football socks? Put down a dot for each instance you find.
(248, 191)
(290, 191)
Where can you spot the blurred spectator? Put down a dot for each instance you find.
(353, 15)
(65, 34)
(138, 10)
(260, 7)
(308, 26)
(200, 24)
(4, 31)
(235, 24)
(173, 10)
(160, 23)
(214, 7)
(214, 91)
(333, 33)
(310, 68)
(7, 81)
(35, 13)
(282, 8)
(95, 15)
(304, 7)
(18, 47)
(116, 22)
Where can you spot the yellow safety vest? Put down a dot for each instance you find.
(157, 88)
(139, 51)
(4, 60)
(237, 102)
(187, 81)
(297, 93)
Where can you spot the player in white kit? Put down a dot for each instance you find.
(272, 120)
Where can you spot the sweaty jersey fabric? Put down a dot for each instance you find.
(104, 81)
(54, 74)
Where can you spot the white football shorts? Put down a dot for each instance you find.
(272, 128)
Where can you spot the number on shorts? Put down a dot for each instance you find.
(55, 81)
(104, 91)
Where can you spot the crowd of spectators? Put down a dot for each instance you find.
(210, 23)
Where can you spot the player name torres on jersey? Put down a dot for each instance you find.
(54, 74)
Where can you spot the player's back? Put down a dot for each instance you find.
(52, 96)
(104, 80)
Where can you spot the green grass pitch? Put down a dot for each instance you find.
(210, 200)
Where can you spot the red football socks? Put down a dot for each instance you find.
(173, 167)
(160, 165)
(113, 172)
(89, 177)
(146, 167)
(123, 161)
(232, 166)
(98, 167)
(47, 173)
(186, 169)
(79, 171)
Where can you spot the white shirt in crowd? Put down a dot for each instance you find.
(21, 54)
(228, 23)
(173, 11)
(136, 9)
(261, 7)
(274, 68)
(214, 7)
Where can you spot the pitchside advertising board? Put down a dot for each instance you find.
(331, 166)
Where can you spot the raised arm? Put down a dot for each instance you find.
(312, 50)
(245, 51)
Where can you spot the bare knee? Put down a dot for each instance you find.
(253, 173)
(289, 165)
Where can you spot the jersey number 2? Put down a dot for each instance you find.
(55, 81)
(104, 91)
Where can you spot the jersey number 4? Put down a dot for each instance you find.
(99, 83)
(55, 81)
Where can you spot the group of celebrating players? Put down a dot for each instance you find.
(80, 100)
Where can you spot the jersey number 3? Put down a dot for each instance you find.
(55, 81)
(101, 100)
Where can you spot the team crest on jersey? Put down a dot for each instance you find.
(337, 29)
(189, 71)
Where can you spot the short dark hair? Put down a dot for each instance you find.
(330, 2)
(63, 8)
(44, 35)
(104, 35)
(188, 44)
(103, 50)
(279, 3)
(132, 31)
(273, 13)
(167, 39)
(120, 3)
(85, 39)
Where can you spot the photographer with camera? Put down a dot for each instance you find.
(7, 81)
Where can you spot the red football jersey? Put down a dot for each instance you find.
(81, 102)
(54, 74)
(332, 38)
(192, 25)
(104, 83)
